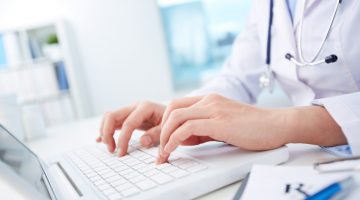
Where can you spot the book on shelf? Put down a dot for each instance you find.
(13, 50)
(61, 76)
(3, 61)
(35, 48)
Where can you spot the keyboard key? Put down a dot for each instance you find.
(169, 169)
(145, 169)
(162, 166)
(118, 182)
(137, 154)
(152, 151)
(131, 175)
(122, 168)
(113, 178)
(149, 160)
(139, 166)
(144, 157)
(196, 168)
(122, 187)
(130, 191)
(109, 191)
(126, 171)
(108, 175)
(120, 177)
(151, 172)
(187, 165)
(115, 196)
(91, 174)
(146, 184)
(95, 178)
(179, 161)
(137, 179)
(179, 173)
(124, 158)
(99, 182)
(104, 187)
(132, 162)
(161, 178)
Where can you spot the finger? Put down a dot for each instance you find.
(178, 117)
(112, 121)
(98, 139)
(151, 137)
(195, 140)
(179, 103)
(132, 122)
(185, 131)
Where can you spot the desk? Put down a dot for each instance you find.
(67, 137)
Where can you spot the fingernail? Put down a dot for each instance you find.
(163, 153)
(146, 140)
(160, 160)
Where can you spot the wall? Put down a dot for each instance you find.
(120, 44)
(123, 50)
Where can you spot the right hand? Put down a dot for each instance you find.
(144, 116)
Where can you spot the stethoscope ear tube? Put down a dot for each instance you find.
(329, 59)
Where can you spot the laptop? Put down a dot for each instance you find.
(90, 172)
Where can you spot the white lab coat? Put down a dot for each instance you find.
(239, 78)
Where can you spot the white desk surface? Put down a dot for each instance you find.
(67, 137)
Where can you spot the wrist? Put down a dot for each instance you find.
(279, 124)
(285, 122)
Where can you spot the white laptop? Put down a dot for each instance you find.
(91, 172)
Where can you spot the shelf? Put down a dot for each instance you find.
(44, 74)
(27, 65)
(42, 99)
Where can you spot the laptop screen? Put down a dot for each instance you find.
(21, 160)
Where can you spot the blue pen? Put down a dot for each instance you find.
(337, 189)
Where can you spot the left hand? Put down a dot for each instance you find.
(194, 120)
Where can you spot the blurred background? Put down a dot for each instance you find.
(66, 60)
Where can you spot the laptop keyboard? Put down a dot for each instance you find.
(121, 177)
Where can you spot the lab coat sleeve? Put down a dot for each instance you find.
(345, 110)
(239, 76)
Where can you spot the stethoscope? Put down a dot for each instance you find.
(266, 80)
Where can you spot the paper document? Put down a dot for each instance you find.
(286, 182)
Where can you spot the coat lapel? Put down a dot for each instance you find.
(286, 33)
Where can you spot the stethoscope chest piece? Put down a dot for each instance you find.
(266, 80)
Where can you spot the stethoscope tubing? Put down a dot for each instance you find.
(313, 61)
(302, 62)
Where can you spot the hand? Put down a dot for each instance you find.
(194, 120)
(145, 116)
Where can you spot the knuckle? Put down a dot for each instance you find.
(145, 104)
(172, 105)
(128, 124)
(108, 115)
(188, 126)
(175, 115)
(213, 97)
(176, 139)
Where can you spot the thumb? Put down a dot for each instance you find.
(151, 137)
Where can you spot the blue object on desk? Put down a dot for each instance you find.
(342, 150)
(335, 189)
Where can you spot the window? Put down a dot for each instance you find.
(199, 36)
